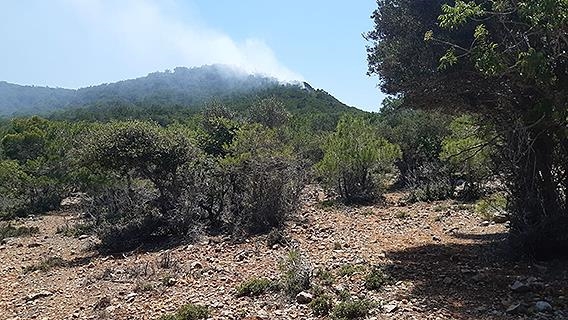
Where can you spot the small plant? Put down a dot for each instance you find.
(321, 306)
(325, 277)
(326, 204)
(7, 230)
(376, 279)
(275, 237)
(47, 264)
(349, 270)
(402, 215)
(492, 208)
(166, 261)
(296, 273)
(188, 312)
(75, 230)
(168, 281)
(440, 208)
(351, 309)
(254, 287)
(143, 286)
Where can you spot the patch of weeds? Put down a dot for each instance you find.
(463, 206)
(7, 230)
(321, 306)
(337, 246)
(352, 309)
(276, 237)
(344, 295)
(325, 276)
(492, 208)
(189, 312)
(327, 204)
(349, 270)
(440, 208)
(168, 281)
(143, 286)
(74, 230)
(376, 278)
(402, 214)
(367, 212)
(47, 264)
(167, 261)
(254, 287)
(296, 273)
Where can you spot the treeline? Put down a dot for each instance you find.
(161, 96)
(233, 171)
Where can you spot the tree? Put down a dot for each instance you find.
(354, 158)
(506, 61)
(142, 150)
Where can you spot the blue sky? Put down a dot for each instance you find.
(76, 43)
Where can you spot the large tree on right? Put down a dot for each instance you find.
(507, 61)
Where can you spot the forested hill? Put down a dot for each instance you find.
(181, 90)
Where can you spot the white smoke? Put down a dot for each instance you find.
(155, 35)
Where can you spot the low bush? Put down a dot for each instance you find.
(351, 309)
(376, 278)
(7, 230)
(492, 208)
(356, 160)
(322, 305)
(189, 312)
(254, 287)
(47, 264)
(295, 273)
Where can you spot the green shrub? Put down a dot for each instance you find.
(47, 264)
(467, 153)
(295, 273)
(189, 312)
(7, 230)
(321, 306)
(492, 208)
(376, 278)
(325, 277)
(352, 309)
(355, 160)
(254, 287)
(349, 270)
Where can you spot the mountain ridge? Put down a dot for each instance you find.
(183, 87)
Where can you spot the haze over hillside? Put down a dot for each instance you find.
(183, 87)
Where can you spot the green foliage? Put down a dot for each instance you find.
(321, 305)
(269, 112)
(352, 309)
(295, 273)
(219, 129)
(492, 208)
(254, 287)
(509, 72)
(468, 153)
(348, 270)
(355, 158)
(144, 150)
(47, 264)
(189, 312)
(7, 230)
(376, 278)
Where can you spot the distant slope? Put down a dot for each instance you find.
(182, 91)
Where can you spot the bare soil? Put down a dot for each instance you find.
(444, 262)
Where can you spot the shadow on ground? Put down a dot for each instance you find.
(470, 281)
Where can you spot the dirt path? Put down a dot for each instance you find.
(443, 259)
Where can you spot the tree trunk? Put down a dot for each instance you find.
(539, 223)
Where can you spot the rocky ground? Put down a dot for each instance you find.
(442, 260)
